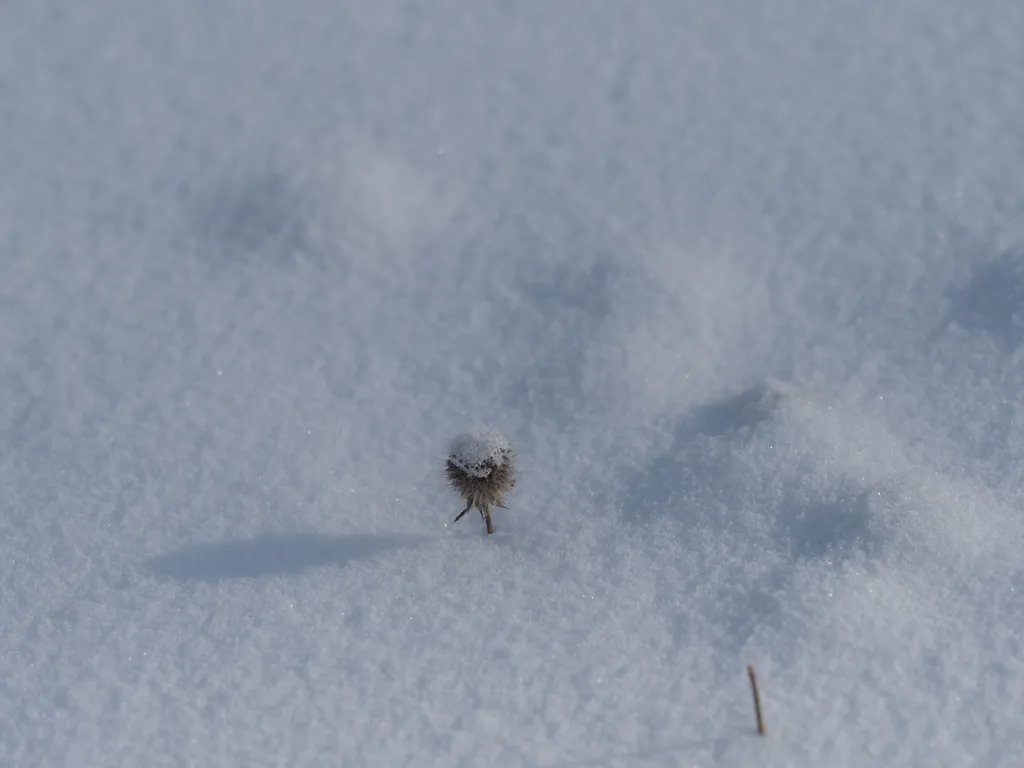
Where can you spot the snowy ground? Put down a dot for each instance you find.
(742, 282)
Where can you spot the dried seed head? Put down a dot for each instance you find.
(480, 468)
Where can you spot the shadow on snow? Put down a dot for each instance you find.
(272, 555)
(992, 300)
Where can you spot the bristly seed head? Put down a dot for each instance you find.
(480, 468)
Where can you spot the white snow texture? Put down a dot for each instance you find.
(477, 451)
(741, 282)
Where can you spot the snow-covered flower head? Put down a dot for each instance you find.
(480, 469)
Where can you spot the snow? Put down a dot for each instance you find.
(477, 451)
(741, 285)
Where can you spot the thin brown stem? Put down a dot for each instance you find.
(461, 514)
(757, 700)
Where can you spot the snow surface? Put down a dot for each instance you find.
(742, 283)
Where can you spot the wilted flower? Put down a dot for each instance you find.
(480, 469)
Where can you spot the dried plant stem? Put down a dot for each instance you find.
(757, 700)
(462, 513)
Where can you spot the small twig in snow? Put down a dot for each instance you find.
(757, 700)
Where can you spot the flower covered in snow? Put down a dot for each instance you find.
(480, 469)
